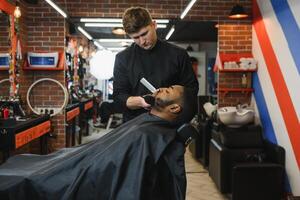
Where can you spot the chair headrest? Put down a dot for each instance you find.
(186, 133)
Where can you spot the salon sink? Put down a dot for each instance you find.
(210, 108)
(235, 117)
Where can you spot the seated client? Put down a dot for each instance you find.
(140, 160)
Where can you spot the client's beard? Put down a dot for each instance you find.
(161, 103)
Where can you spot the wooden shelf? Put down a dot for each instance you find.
(237, 70)
(242, 90)
(4, 68)
(231, 57)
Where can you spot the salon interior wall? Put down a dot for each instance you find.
(46, 31)
(4, 74)
(203, 10)
(42, 29)
(4, 39)
(234, 36)
(276, 47)
(202, 51)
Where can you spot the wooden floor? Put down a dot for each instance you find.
(199, 184)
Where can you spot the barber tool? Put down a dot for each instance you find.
(148, 85)
(149, 99)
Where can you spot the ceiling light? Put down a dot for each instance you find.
(124, 44)
(238, 12)
(161, 25)
(116, 48)
(115, 40)
(85, 33)
(98, 45)
(186, 10)
(162, 21)
(80, 48)
(57, 8)
(103, 25)
(118, 31)
(109, 20)
(117, 20)
(171, 31)
(17, 11)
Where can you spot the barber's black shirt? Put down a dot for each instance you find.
(164, 65)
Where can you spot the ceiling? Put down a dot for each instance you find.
(185, 31)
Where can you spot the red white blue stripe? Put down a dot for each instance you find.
(276, 46)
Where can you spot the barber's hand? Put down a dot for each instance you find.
(136, 102)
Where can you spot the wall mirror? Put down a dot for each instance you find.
(8, 46)
(4, 53)
(198, 37)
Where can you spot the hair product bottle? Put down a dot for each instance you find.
(244, 81)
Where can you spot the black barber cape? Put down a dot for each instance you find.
(140, 160)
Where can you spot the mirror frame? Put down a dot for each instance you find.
(9, 9)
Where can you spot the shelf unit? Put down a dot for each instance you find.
(4, 68)
(219, 68)
(242, 90)
(237, 70)
(231, 57)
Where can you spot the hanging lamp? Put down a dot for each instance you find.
(238, 12)
(17, 11)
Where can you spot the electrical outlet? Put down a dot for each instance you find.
(48, 110)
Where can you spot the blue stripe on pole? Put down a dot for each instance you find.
(263, 110)
(289, 27)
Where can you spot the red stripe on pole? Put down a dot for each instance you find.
(281, 91)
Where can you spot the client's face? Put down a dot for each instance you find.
(168, 96)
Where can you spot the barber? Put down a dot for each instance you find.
(160, 62)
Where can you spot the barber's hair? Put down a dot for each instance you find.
(135, 18)
(188, 106)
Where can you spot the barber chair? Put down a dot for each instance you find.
(200, 147)
(186, 133)
(244, 164)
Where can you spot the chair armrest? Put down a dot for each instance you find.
(274, 153)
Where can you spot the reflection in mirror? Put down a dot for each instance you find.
(199, 38)
(14, 46)
(10, 59)
(4, 52)
(200, 35)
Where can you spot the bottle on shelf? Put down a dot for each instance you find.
(244, 81)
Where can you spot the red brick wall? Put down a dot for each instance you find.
(4, 33)
(44, 30)
(233, 39)
(233, 80)
(202, 10)
(234, 36)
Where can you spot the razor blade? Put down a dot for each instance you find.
(148, 85)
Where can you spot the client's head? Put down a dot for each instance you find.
(176, 104)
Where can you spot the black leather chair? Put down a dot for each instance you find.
(244, 164)
(200, 147)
